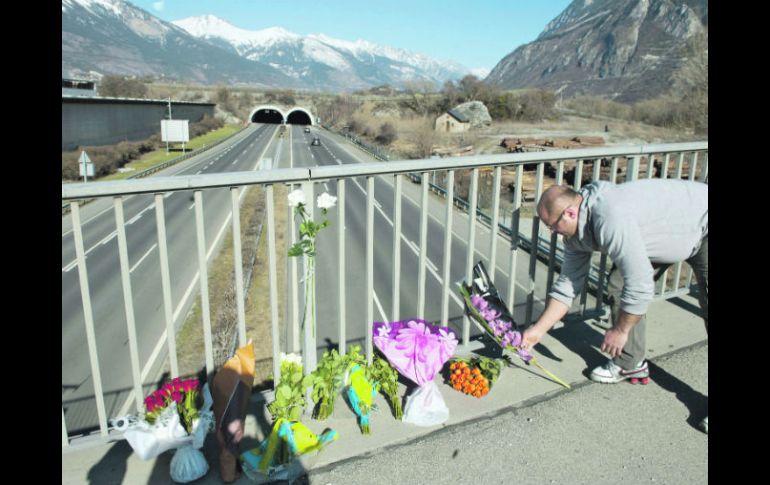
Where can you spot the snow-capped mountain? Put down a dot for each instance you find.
(321, 62)
(114, 37)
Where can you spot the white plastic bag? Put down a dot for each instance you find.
(149, 441)
(426, 406)
(188, 464)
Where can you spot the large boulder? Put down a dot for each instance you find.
(476, 112)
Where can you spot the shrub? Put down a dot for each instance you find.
(387, 134)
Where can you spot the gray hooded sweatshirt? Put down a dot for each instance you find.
(635, 224)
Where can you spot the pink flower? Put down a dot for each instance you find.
(176, 396)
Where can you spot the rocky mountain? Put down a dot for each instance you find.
(317, 61)
(626, 50)
(114, 37)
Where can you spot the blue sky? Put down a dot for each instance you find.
(475, 33)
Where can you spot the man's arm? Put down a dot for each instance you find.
(616, 337)
(554, 311)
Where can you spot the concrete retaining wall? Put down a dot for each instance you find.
(106, 121)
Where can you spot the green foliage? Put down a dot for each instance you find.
(381, 372)
(122, 87)
(327, 381)
(289, 400)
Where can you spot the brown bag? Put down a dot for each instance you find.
(230, 389)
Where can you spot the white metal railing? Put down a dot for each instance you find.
(690, 153)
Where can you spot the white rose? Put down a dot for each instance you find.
(296, 197)
(326, 201)
(291, 358)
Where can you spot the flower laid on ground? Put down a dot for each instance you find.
(285, 454)
(386, 376)
(327, 382)
(475, 376)
(308, 230)
(500, 330)
(418, 350)
(361, 392)
(289, 400)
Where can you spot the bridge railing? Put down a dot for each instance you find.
(627, 160)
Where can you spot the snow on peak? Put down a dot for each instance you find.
(208, 26)
(113, 6)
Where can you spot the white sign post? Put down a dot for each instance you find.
(86, 166)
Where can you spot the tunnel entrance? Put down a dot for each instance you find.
(299, 118)
(267, 116)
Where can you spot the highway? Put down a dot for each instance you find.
(241, 154)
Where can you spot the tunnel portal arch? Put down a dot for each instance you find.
(299, 116)
(267, 114)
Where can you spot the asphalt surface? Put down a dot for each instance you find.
(597, 433)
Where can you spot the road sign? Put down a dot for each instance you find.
(86, 166)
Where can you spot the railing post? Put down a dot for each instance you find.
(396, 247)
(450, 191)
(238, 263)
(88, 316)
(272, 275)
(160, 220)
(369, 267)
(128, 301)
(423, 244)
(473, 196)
(535, 238)
(310, 352)
(204, 282)
(493, 225)
(341, 284)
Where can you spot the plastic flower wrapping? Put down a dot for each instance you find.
(176, 416)
(418, 350)
(485, 306)
(287, 453)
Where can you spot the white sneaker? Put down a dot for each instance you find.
(612, 373)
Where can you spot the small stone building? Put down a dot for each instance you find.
(452, 122)
(464, 117)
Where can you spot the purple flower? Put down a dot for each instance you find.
(479, 302)
(525, 355)
(490, 314)
(515, 338)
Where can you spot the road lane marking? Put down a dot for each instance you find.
(143, 257)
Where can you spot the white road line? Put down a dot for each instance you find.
(431, 267)
(143, 257)
(191, 207)
(108, 238)
(326, 186)
(67, 268)
(379, 307)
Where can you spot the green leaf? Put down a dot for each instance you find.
(284, 392)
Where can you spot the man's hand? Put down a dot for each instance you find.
(614, 341)
(531, 337)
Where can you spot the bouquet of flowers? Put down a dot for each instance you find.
(281, 456)
(475, 376)
(176, 416)
(289, 400)
(418, 350)
(484, 305)
(327, 382)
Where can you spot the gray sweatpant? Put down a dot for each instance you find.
(633, 352)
